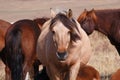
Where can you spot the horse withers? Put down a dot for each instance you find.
(105, 21)
(20, 48)
(62, 46)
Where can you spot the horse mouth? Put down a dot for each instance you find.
(61, 56)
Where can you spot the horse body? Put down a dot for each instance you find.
(115, 75)
(20, 49)
(62, 50)
(87, 72)
(104, 21)
(4, 25)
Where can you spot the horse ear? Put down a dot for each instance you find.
(92, 11)
(85, 10)
(69, 13)
(53, 14)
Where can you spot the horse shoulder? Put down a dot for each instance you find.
(41, 43)
(86, 49)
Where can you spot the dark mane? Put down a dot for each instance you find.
(69, 23)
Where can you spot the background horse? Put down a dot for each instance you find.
(62, 46)
(41, 21)
(4, 25)
(20, 48)
(104, 21)
(116, 75)
(87, 72)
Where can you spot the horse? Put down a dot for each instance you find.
(4, 25)
(20, 48)
(87, 72)
(105, 21)
(62, 46)
(41, 21)
(115, 75)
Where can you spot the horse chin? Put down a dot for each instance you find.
(63, 58)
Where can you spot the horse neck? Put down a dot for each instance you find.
(102, 22)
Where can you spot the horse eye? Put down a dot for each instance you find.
(53, 32)
(69, 32)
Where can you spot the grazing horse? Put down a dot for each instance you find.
(116, 75)
(20, 48)
(62, 46)
(104, 21)
(4, 25)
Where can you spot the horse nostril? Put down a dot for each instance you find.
(62, 55)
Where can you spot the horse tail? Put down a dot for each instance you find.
(14, 53)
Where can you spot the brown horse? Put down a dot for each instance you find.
(4, 25)
(116, 75)
(62, 46)
(87, 72)
(20, 48)
(104, 21)
(41, 21)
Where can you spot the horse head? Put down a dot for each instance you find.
(88, 21)
(62, 27)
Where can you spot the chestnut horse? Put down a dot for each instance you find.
(20, 48)
(104, 21)
(4, 25)
(87, 72)
(116, 75)
(62, 46)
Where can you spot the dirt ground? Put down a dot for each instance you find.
(105, 60)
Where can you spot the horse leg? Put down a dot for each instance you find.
(36, 67)
(74, 70)
(7, 73)
(52, 73)
(26, 69)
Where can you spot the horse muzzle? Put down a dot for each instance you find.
(62, 55)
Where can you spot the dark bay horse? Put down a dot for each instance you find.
(62, 46)
(105, 21)
(4, 25)
(20, 48)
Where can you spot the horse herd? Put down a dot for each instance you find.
(59, 43)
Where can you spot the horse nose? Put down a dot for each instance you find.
(62, 55)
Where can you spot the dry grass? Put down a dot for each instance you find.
(105, 59)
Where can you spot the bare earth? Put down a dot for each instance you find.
(105, 58)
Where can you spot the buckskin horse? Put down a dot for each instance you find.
(62, 46)
(20, 48)
(105, 21)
